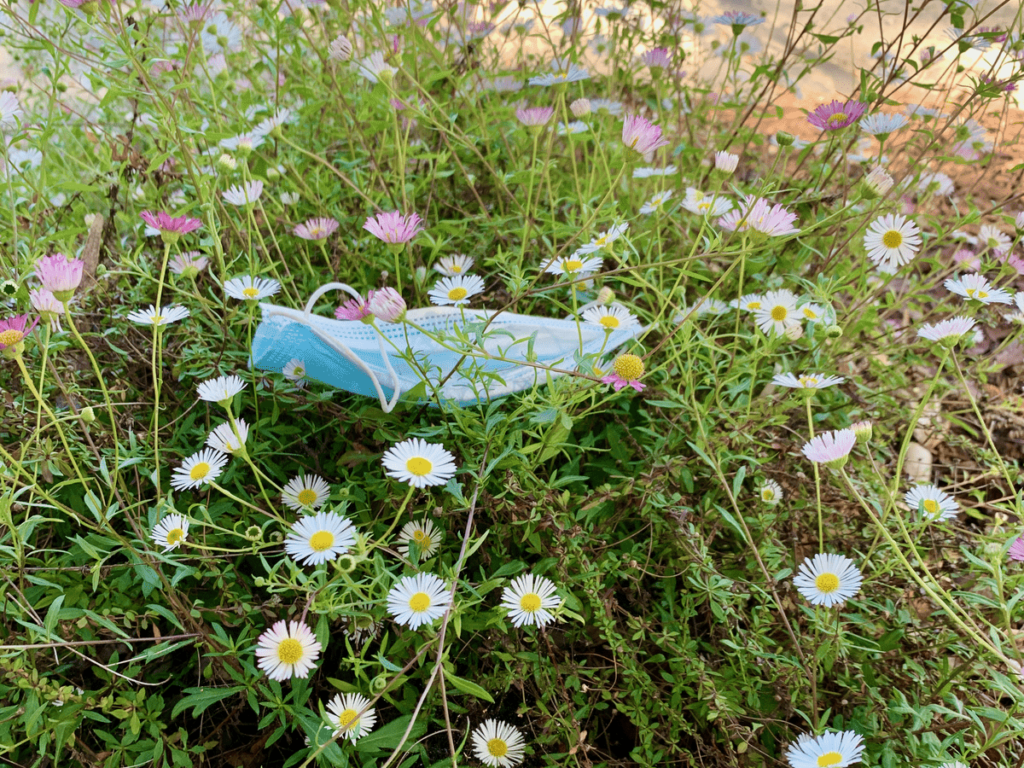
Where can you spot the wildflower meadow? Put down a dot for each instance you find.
(389, 383)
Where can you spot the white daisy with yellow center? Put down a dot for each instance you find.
(422, 535)
(455, 264)
(892, 241)
(530, 599)
(828, 579)
(344, 715)
(229, 439)
(575, 266)
(295, 371)
(770, 493)
(221, 389)
(656, 202)
(305, 492)
(170, 532)
(419, 463)
(830, 750)
(749, 303)
(249, 288)
(457, 290)
(931, 502)
(777, 312)
(976, 287)
(498, 744)
(611, 318)
(199, 469)
(287, 649)
(318, 538)
(154, 317)
(806, 381)
(417, 600)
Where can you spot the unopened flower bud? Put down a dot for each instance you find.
(726, 162)
(833, 332)
(862, 429)
(784, 139)
(341, 49)
(794, 332)
(580, 107)
(605, 296)
(88, 414)
(226, 162)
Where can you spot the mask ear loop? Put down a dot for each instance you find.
(340, 346)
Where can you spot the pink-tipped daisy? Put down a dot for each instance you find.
(13, 331)
(836, 115)
(355, 309)
(59, 275)
(947, 332)
(393, 227)
(1016, 551)
(534, 117)
(627, 372)
(831, 448)
(171, 227)
(642, 136)
(188, 264)
(316, 229)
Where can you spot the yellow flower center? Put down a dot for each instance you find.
(601, 240)
(827, 583)
(629, 367)
(892, 239)
(421, 538)
(306, 497)
(530, 602)
(808, 381)
(837, 119)
(419, 602)
(633, 144)
(931, 506)
(315, 232)
(457, 293)
(810, 314)
(289, 651)
(321, 541)
(779, 313)
(175, 536)
(829, 758)
(609, 321)
(199, 471)
(419, 466)
(346, 718)
(571, 265)
(250, 293)
(156, 319)
(767, 494)
(299, 372)
(11, 337)
(497, 747)
(456, 269)
(753, 305)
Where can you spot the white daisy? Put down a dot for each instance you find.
(892, 241)
(611, 318)
(570, 74)
(417, 600)
(245, 194)
(249, 288)
(374, 68)
(529, 599)
(604, 239)
(287, 649)
(770, 492)
(655, 203)
(343, 711)
(994, 238)
(974, 286)
(947, 332)
(318, 538)
(305, 491)
(169, 314)
(424, 534)
(778, 311)
(576, 126)
(828, 579)
(224, 439)
(807, 381)
(170, 532)
(751, 302)
(199, 469)
(295, 372)
(642, 173)
(931, 502)
(574, 266)
(830, 750)
(881, 124)
(220, 389)
(936, 182)
(707, 305)
(498, 744)
(455, 264)
(457, 290)
(419, 463)
(705, 205)
(811, 312)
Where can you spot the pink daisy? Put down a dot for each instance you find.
(316, 229)
(393, 227)
(657, 57)
(171, 227)
(638, 133)
(534, 117)
(355, 309)
(387, 304)
(832, 117)
(13, 331)
(60, 276)
(831, 448)
(627, 370)
(1017, 549)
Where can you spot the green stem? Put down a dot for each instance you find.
(817, 478)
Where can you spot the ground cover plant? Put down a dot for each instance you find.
(646, 416)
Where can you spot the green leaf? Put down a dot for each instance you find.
(466, 686)
(388, 737)
(202, 699)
